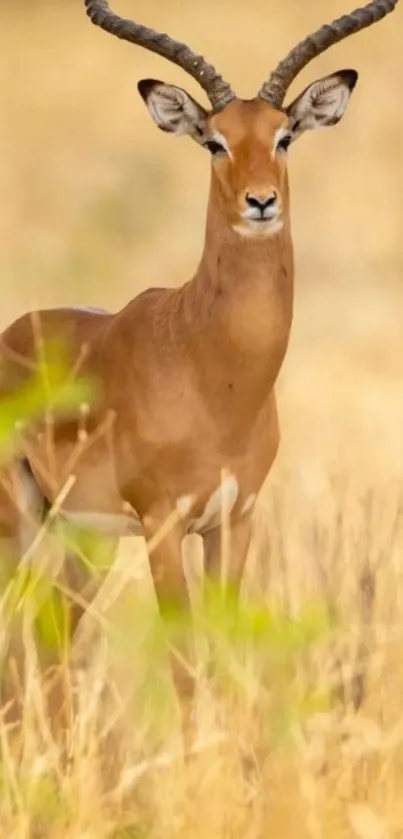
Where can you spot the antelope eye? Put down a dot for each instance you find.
(214, 147)
(284, 143)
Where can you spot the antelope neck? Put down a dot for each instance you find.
(242, 294)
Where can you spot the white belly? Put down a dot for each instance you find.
(222, 501)
(108, 524)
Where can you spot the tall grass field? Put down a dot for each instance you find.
(301, 733)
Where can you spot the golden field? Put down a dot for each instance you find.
(96, 205)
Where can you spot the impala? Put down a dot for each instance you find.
(187, 375)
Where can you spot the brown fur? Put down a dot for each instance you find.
(188, 373)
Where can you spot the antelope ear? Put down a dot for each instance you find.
(172, 109)
(323, 103)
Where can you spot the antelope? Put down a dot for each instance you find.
(188, 373)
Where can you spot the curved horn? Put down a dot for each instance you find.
(218, 91)
(275, 88)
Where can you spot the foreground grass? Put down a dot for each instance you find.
(304, 742)
(304, 735)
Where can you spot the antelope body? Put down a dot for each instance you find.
(187, 375)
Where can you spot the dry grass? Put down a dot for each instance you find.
(97, 205)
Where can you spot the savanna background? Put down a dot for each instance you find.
(96, 205)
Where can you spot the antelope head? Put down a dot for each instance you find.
(248, 140)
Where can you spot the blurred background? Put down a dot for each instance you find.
(96, 204)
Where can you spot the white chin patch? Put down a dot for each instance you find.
(258, 230)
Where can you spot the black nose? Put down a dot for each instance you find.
(261, 202)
